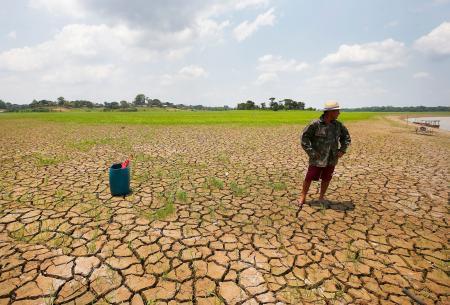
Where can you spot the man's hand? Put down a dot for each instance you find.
(340, 154)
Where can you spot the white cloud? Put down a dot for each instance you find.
(192, 71)
(176, 20)
(436, 43)
(24, 59)
(179, 53)
(74, 44)
(169, 26)
(242, 4)
(420, 75)
(345, 83)
(186, 73)
(266, 77)
(218, 7)
(271, 66)
(246, 28)
(79, 53)
(72, 8)
(210, 28)
(371, 56)
(271, 63)
(12, 35)
(74, 74)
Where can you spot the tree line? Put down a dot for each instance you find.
(144, 101)
(139, 101)
(284, 104)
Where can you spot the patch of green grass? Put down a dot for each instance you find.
(141, 177)
(165, 275)
(278, 186)
(161, 213)
(214, 182)
(164, 212)
(354, 256)
(159, 173)
(164, 117)
(19, 234)
(339, 294)
(43, 160)
(175, 174)
(212, 213)
(61, 241)
(322, 207)
(236, 189)
(87, 145)
(59, 195)
(223, 158)
(181, 196)
(50, 299)
(91, 248)
(141, 157)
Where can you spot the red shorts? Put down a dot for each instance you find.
(315, 173)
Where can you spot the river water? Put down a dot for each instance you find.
(444, 121)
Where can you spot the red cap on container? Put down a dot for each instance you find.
(125, 164)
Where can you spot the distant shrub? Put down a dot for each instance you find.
(121, 109)
(128, 109)
(40, 109)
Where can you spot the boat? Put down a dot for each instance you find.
(428, 123)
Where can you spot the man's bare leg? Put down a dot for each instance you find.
(305, 189)
(323, 189)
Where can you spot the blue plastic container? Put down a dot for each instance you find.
(119, 180)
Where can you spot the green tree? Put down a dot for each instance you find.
(139, 100)
(61, 101)
(34, 104)
(248, 105)
(274, 106)
(290, 104)
(300, 106)
(154, 103)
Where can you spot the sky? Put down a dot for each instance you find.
(223, 52)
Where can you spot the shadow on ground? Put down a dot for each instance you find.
(334, 205)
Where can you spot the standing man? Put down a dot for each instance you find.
(325, 141)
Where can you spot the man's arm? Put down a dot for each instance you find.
(344, 140)
(306, 139)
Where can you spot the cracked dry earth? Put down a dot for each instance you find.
(211, 218)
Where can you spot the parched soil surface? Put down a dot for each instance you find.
(211, 219)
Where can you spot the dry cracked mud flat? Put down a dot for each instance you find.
(211, 219)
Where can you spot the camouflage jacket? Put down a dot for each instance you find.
(323, 141)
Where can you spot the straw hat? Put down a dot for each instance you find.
(331, 105)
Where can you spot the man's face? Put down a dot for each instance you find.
(333, 114)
